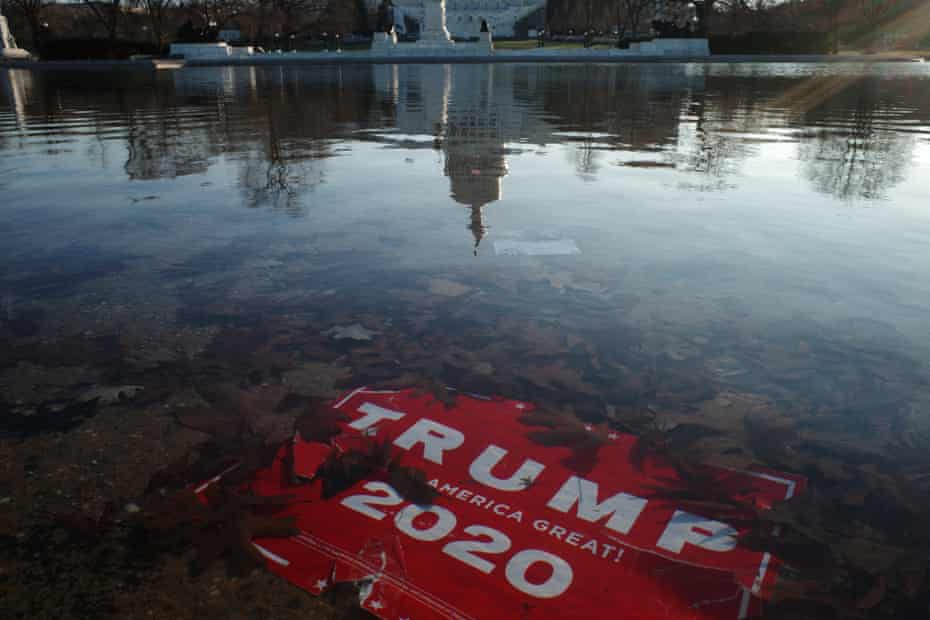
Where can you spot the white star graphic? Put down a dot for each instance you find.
(321, 584)
(587, 427)
(612, 435)
(377, 604)
(521, 406)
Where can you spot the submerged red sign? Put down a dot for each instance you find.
(518, 530)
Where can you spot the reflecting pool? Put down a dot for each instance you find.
(729, 260)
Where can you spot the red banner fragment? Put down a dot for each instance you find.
(518, 530)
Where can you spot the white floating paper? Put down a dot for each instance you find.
(550, 247)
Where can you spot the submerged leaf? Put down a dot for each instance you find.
(319, 423)
(220, 528)
(874, 596)
(569, 432)
(340, 471)
(412, 485)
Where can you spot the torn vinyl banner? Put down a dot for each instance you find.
(521, 527)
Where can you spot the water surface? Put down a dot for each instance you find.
(749, 237)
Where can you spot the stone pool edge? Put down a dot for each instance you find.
(344, 59)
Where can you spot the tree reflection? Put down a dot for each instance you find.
(663, 118)
(272, 181)
(159, 147)
(708, 146)
(585, 157)
(853, 154)
(275, 177)
(277, 126)
(589, 110)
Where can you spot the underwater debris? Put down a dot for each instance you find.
(443, 287)
(319, 422)
(550, 247)
(355, 331)
(221, 528)
(584, 440)
(48, 417)
(110, 395)
(342, 470)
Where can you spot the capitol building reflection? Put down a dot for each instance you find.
(473, 115)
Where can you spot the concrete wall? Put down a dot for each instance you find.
(208, 51)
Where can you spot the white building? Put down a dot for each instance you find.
(464, 17)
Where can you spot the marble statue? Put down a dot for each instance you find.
(464, 17)
(433, 30)
(6, 38)
(8, 47)
(434, 38)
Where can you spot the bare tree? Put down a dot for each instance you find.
(874, 14)
(109, 14)
(260, 11)
(158, 12)
(216, 13)
(631, 14)
(795, 13)
(709, 7)
(33, 12)
(745, 6)
(293, 10)
(833, 8)
(588, 12)
(755, 11)
(874, 11)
